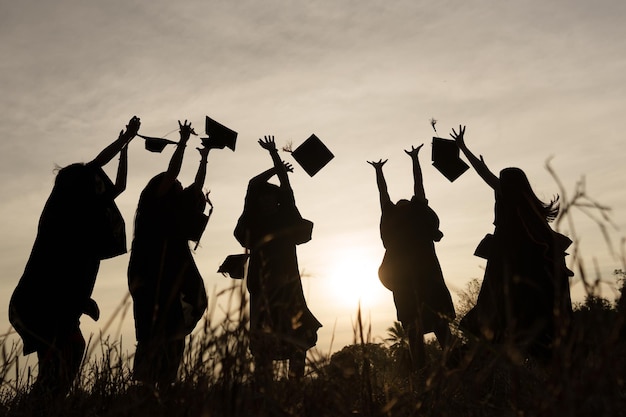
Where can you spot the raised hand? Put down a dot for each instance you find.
(377, 165)
(459, 137)
(186, 130)
(133, 126)
(414, 152)
(288, 166)
(268, 143)
(204, 152)
(105, 155)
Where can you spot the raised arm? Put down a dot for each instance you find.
(122, 172)
(123, 139)
(201, 174)
(380, 181)
(176, 161)
(267, 174)
(479, 164)
(418, 179)
(280, 168)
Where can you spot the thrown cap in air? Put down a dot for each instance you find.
(220, 136)
(312, 155)
(445, 157)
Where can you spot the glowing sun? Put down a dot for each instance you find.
(353, 278)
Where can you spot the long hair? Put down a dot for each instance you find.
(144, 216)
(74, 183)
(71, 204)
(252, 220)
(516, 188)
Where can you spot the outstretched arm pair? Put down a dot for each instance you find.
(418, 183)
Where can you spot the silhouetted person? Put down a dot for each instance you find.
(281, 325)
(524, 300)
(167, 290)
(80, 225)
(410, 268)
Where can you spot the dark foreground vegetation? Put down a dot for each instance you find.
(586, 377)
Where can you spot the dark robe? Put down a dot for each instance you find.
(410, 267)
(525, 297)
(79, 226)
(168, 293)
(280, 321)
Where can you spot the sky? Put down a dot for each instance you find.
(533, 81)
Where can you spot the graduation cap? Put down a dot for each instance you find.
(219, 135)
(312, 155)
(156, 144)
(446, 158)
(234, 265)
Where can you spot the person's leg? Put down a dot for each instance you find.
(142, 363)
(72, 353)
(48, 361)
(297, 364)
(443, 334)
(416, 344)
(157, 361)
(263, 370)
(59, 364)
(171, 358)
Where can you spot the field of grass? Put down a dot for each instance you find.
(216, 379)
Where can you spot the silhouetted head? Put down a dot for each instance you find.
(153, 185)
(514, 183)
(517, 191)
(74, 183)
(151, 206)
(264, 199)
(73, 177)
(402, 202)
(403, 209)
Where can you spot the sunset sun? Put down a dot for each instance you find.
(353, 278)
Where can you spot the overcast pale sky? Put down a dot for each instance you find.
(530, 79)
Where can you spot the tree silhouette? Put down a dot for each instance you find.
(468, 297)
(397, 336)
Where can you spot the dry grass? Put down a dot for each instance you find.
(216, 379)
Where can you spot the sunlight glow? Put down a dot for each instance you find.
(353, 277)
